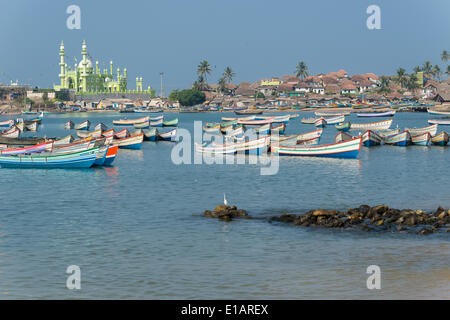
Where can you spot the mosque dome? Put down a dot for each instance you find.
(88, 64)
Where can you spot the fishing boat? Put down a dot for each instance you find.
(142, 125)
(157, 123)
(224, 130)
(331, 114)
(156, 118)
(320, 123)
(211, 129)
(279, 119)
(46, 146)
(84, 125)
(228, 119)
(441, 122)
(100, 126)
(6, 123)
(150, 135)
(233, 133)
(75, 147)
(377, 114)
(345, 149)
(20, 125)
(284, 140)
(210, 148)
(432, 129)
(171, 123)
(423, 139)
(247, 112)
(437, 112)
(130, 122)
(371, 138)
(280, 128)
(122, 134)
(32, 126)
(22, 142)
(66, 140)
(440, 139)
(69, 125)
(229, 123)
(343, 126)
(334, 120)
(309, 142)
(399, 139)
(109, 133)
(262, 130)
(131, 142)
(388, 132)
(308, 120)
(309, 135)
(110, 155)
(381, 125)
(343, 136)
(82, 159)
(86, 134)
(13, 132)
(255, 122)
(254, 146)
(167, 136)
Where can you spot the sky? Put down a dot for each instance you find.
(257, 39)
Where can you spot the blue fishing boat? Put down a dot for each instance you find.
(370, 138)
(402, 139)
(343, 126)
(440, 139)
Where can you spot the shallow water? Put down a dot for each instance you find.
(133, 231)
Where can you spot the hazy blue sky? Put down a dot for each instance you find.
(256, 38)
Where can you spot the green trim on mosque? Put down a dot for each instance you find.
(84, 79)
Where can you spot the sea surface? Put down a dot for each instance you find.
(135, 232)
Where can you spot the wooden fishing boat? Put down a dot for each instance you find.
(84, 125)
(247, 112)
(46, 146)
(440, 139)
(166, 136)
(100, 126)
(32, 126)
(320, 123)
(110, 155)
(334, 120)
(279, 119)
(171, 123)
(20, 125)
(441, 122)
(214, 129)
(280, 128)
(438, 112)
(209, 148)
(122, 134)
(229, 123)
(371, 138)
(343, 136)
(388, 132)
(343, 126)
(86, 134)
(345, 149)
(75, 147)
(237, 132)
(101, 155)
(331, 114)
(142, 125)
(399, 139)
(150, 135)
(130, 122)
(156, 118)
(157, 123)
(381, 125)
(7, 123)
(432, 129)
(308, 120)
(422, 139)
(82, 159)
(310, 135)
(228, 119)
(262, 130)
(66, 140)
(13, 132)
(22, 142)
(377, 114)
(254, 146)
(284, 140)
(308, 142)
(69, 125)
(131, 142)
(255, 122)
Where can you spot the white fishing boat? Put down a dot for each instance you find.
(381, 125)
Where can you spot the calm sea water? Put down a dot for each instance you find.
(133, 230)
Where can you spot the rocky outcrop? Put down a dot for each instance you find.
(226, 213)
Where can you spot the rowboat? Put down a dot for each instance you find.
(32, 126)
(331, 114)
(69, 125)
(399, 139)
(65, 140)
(343, 126)
(6, 123)
(130, 122)
(101, 155)
(46, 146)
(437, 112)
(22, 142)
(74, 147)
(21, 126)
(166, 136)
(13, 132)
(110, 155)
(280, 128)
(101, 126)
(345, 149)
(132, 142)
(229, 123)
(254, 146)
(171, 123)
(150, 135)
(84, 125)
(432, 129)
(212, 129)
(381, 125)
(245, 112)
(233, 133)
(82, 159)
(262, 130)
(308, 120)
(371, 138)
(122, 134)
(224, 130)
(228, 119)
(109, 133)
(284, 140)
(423, 139)
(157, 123)
(309, 142)
(156, 118)
(377, 114)
(142, 125)
(334, 120)
(254, 122)
(388, 132)
(280, 119)
(309, 135)
(343, 136)
(215, 149)
(320, 123)
(441, 122)
(440, 139)
(93, 134)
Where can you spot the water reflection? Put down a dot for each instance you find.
(130, 154)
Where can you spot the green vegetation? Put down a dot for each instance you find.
(190, 97)
(173, 96)
(260, 95)
(301, 70)
(384, 85)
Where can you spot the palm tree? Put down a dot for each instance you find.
(411, 83)
(221, 84)
(301, 70)
(228, 74)
(417, 69)
(401, 76)
(427, 67)
(436, 71)
(203, 70)
(445, 56)
(200, 84)
(384, 85)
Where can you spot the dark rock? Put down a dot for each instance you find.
(425, 231)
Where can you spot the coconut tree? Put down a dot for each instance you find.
(203, 70)
(445, 56)
(417, 69)
(228, 74)
(221, 84)
(427, 67)
(301, 70)
(411, 83)
(401, 77)
(384, 85)
(436, 71)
